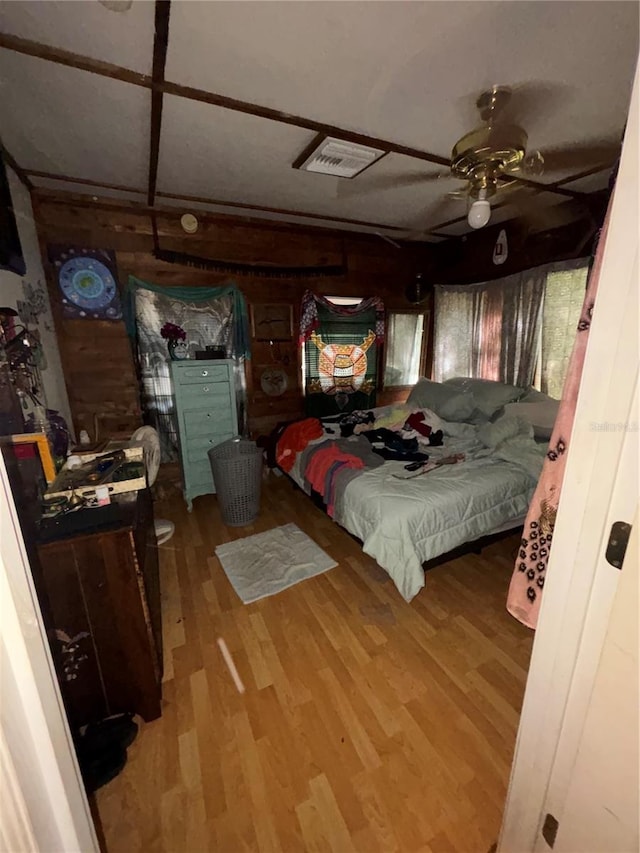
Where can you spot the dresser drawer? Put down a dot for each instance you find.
(206, 423)
(192, 374)
(200, 475)
(198, 448)
(210, 395)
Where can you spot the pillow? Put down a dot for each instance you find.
(508, 426)
(541, 415)
(448, 402)
(488, 394)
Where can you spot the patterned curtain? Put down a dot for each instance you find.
(341, 348)
(527, 582)
(218, 319)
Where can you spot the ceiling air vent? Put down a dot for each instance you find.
(330, 156)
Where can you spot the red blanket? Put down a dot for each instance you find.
(294, 439)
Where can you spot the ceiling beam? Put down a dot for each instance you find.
(52, 176)
(64, 197)
(160, 42)
(585, 174)
(259, 111)
(20, 173)
(73, 60)
(282, 211)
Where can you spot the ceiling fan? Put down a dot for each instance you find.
(493, 158)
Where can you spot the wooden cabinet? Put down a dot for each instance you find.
(206, 415)
(102, 595)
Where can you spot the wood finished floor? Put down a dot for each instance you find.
(367, 724)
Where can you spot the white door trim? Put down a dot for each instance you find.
(571, 610)
(40, 774)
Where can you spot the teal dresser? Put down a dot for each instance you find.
(205, 406)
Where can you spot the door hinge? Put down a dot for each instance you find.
(617, 544)
(550, 829)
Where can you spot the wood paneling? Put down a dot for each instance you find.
(367, 724)
(97, 358)
(469, 259)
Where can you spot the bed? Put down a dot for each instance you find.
(404, 523)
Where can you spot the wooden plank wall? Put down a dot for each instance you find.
(97, 358)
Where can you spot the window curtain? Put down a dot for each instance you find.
(492, 330)
(209, 316)
(529, 575)
(403, 349)
(563, 298)
(340, 354)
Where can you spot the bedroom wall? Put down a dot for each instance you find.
(96, 355)
(31, 291)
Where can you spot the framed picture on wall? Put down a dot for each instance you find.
(272, 322)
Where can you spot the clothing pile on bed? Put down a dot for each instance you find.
(366, 439)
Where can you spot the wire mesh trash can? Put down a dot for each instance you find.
(236, 465)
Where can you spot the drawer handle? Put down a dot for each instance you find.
(205, 387)
(205, 372)
(208, 414)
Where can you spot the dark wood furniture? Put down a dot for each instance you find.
(103, 615)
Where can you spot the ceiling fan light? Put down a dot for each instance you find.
(479, 213)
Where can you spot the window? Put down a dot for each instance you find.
(405, 348)
(563, 298)
(519, 329)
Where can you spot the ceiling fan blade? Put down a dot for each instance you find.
(508, 188)
(539, 215)
(380, 183)
(577, 158)
(458, 195)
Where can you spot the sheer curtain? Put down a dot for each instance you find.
(563, 298)
(493, 330)
(469, 331)
(404, 347)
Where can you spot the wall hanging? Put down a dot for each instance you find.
(170, 256)
(88, 282)
(340, 353)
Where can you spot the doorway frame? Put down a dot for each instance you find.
(44, 802)
(580, 584)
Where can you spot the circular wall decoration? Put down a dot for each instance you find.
(189, 223)
(273, 381)
(88, 282)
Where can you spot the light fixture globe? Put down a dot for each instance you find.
(479, 213)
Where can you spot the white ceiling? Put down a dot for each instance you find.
(62, 120)
(85, 27)
(407, 72)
